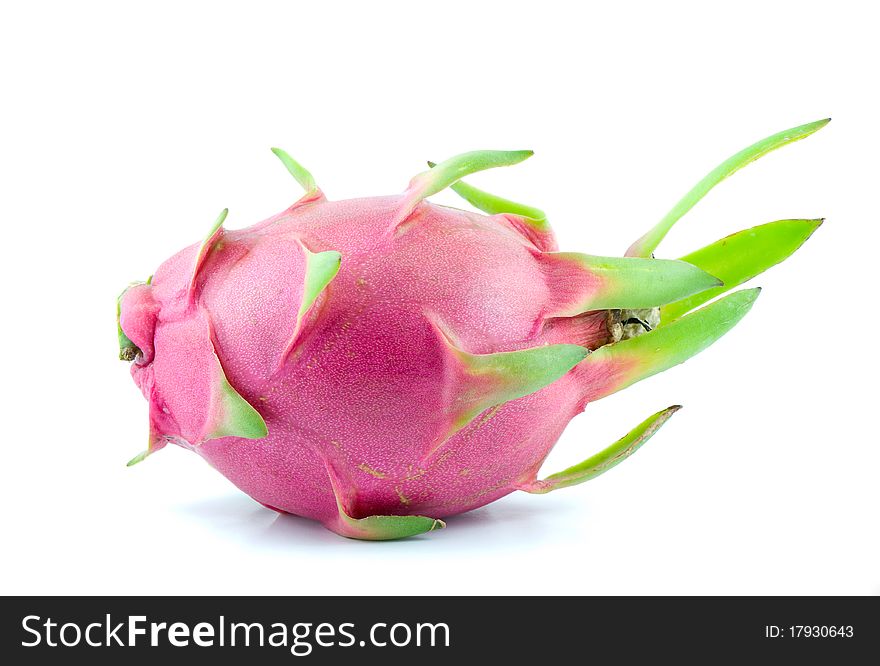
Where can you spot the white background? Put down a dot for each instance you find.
(127, 127)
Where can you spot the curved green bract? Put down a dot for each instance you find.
(321, 268)
(505, 376)
(300, 174)
(494, 205)
(606, 459)
(740, 257)
(487, 380)
(645, 246)
(386, 528)
(154, 443)
(204, 248)
(127, 349)
(626, 362)
(221, 218)
(233, 415)
(140, 457)
(449, 171)
(380, 527)
(581, 282)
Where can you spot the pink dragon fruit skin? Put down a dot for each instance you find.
(379, 364)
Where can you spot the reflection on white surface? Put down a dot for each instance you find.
(237, 518)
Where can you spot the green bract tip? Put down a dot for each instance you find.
(492, 379)
(138, 458)
(321, 268)
(606, 459)
(645, 246)
(583, 282)
(740, 257)
(205, 248)
(626, 362)
(450, 171)
(128, 350)
(494, 205)
(302, 176)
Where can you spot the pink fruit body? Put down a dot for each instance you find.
(362, 361)
(363, 401)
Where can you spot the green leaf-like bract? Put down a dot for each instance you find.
(300, 174)
(605, 459)
(511, 375)
(386, 528)
(645, 246)
(740, 257)
(494, 205)
(235, 415)
(582, 282)
(624, 363)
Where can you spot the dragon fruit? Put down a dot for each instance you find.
(380, 364)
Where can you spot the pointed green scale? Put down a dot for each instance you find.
(645, 246)
(740, 257)
(376, 528)
(455, 168)
(624, 363)
(448, 172)
(235, 417)
(529, 221)
(128, 350)
(299, 173)
(581, 282)
(155, 442)
(386, 528)
(140, 457)
(205, 248)
(321, 268)
(492, 379)
(232, 415)
(494, 205)
(606, 459)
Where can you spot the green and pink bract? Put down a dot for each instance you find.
(380, 364)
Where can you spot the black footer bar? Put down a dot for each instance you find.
(435, 629)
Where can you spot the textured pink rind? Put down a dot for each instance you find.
(368, 385)
(540, 235)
